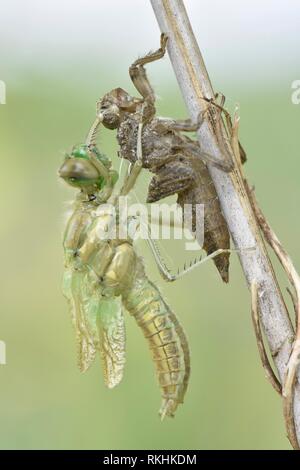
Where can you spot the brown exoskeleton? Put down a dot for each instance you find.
(178, 163)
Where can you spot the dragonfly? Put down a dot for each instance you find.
(104, 276)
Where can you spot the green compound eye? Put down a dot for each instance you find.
(79, 162)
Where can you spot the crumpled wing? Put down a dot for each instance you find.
(112, 340)
(74, 291)
(172, 178)
(99, 324)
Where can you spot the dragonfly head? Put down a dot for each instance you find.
(112, 106)
(87, 169)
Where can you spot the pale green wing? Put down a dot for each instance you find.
(112, 340)
(105, 321)
(99, 324)
(74, 290)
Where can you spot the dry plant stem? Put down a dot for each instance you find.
(260, 343)
(288, 389)
(195, 84)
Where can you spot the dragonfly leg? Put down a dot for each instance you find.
(92, 134)
(182, 125)
(138, 74)
(100, 167)
(193, 149)
(138, 164)
(166, 273)
(230, 127)
(164, 270)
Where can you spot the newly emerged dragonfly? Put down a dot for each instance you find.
(104, 275)
(178, 162)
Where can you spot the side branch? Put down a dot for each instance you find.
(260, 343)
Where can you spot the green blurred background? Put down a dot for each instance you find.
(54, 74)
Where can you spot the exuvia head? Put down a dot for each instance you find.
(87, 169)
(111, 107)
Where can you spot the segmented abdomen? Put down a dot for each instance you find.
(166, 339)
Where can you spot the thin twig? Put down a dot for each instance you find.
(270, 375)
(195, 85)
